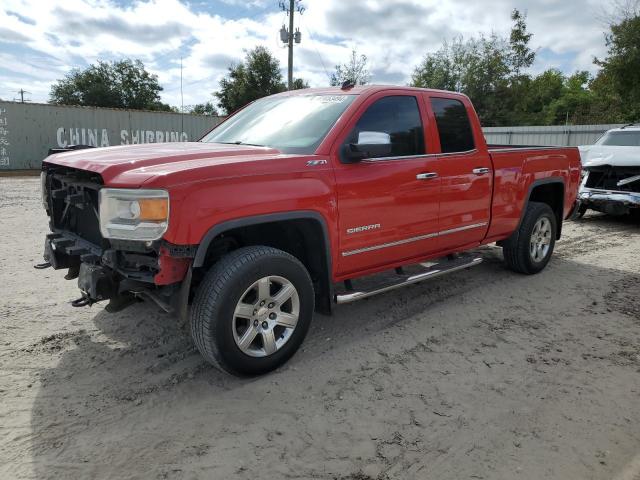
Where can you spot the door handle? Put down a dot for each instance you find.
(426, 176)
(481, 170)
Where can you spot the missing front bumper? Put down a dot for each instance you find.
(121, 277)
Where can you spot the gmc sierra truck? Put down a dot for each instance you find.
(297, 202)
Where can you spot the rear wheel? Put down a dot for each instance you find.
(530, 248)
(253, 310)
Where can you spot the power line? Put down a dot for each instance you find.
(326, 72)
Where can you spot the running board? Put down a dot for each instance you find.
(436, 270)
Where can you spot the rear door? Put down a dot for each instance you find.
(465, 170)
(388, 206)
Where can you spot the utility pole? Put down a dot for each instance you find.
(291, 10)
(289, 36)
(22, 92)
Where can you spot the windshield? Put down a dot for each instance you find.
(621, 139)
(295, 124)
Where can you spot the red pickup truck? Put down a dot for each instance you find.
(293, 204)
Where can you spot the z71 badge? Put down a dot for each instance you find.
(363, 228)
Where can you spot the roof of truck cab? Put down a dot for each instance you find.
(361, 89)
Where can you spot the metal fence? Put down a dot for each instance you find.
(28, 130)
(570, 135)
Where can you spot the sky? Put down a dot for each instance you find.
(42, 40)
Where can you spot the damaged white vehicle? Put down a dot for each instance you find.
(611, 169)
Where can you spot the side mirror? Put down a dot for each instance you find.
(370, 145)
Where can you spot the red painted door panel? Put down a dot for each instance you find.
(466, 172)
(388, 206)
(386, 213)
(465, 199)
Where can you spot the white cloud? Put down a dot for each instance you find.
(63, 34)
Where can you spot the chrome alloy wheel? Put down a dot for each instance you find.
(266, 316)
(540, 240)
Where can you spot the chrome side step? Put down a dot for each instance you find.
(446, 266)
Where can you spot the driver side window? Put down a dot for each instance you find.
(397, 116)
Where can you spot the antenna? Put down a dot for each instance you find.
(181, 101)
(347, 84)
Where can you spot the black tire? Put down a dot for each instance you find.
(212, 313)
(516, 249)
(581, 211)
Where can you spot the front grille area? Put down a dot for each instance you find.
(72, 197)
(606, 177)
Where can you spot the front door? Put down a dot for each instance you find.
(388, 204)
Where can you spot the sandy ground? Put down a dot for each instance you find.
(484, 374)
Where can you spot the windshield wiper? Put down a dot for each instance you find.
(239, 142)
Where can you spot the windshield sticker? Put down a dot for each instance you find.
(331, 98)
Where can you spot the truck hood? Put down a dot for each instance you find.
(596, 155)
(135, 165)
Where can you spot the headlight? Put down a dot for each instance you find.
(43, 189)
(133, 214)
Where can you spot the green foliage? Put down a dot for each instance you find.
(479, 67)
(258, 76)
(574, 103)
(206, 108)
(619, 79)
(121, 84)
(299, 84)
(492, 72)
(354, 70)
(520, 55)
(443, 69)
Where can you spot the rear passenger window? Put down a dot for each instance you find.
(453, 125)
(398, 116)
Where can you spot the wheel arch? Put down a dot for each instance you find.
(311, 233)
(550, 191)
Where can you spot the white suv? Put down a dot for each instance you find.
(611, 181)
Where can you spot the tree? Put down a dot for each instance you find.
(299, 84)
(444, 68)
(354, 70)
(258, 76)
(478, 67)
(117, 84)
(206, 108)
(492, 71)
(574, 103)
(489, 69)
(533, 95)
(521, 56)
(619, 79)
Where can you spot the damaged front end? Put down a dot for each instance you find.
(111, 241)
(610, 189)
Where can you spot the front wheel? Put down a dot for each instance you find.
(529, 249)
(252, 310)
